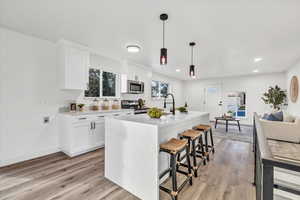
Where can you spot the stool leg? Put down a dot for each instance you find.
(174, 176)
(189, 164)
(202, 149)
(212, 141)
(206, 145)
(194, 158)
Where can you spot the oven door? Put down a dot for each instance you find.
(135, 87)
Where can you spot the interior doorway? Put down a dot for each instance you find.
(213, 101)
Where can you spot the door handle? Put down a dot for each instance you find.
(91, 125)
(94, 125)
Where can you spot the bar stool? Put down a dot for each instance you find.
(174, 147)
(192, 136)
(207, 129)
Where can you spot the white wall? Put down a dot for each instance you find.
(1, 91)
(293, 108)
(29, 91)
(254, 86)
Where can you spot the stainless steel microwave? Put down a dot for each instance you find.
(135, 87)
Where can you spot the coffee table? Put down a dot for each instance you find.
(227, 119)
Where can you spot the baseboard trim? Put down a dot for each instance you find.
(73, 154)
(27, 157)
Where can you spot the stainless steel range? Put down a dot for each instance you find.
(134, 104)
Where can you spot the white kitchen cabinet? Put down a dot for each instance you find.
(81, 133)
(98, 134)
(82, 137)
(73, 65)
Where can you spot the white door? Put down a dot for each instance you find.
(81, 140)
(99, 132)
(213, 101)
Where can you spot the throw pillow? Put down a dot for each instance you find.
(278, 116)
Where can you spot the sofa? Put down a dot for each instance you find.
(280, 130)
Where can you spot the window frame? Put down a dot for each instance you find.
(118, 85)
(159, 89)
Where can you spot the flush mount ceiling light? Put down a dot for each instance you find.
(255, 71)
(133, 48)
(258, 59)
(178, 70)
(163, 51)
(192, 66)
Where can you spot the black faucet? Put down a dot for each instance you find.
(173, 102)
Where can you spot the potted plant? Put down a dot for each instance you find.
(182, 109)
(274, 96)
(80, 106)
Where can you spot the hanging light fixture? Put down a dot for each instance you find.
(163, 51)
(192, 66)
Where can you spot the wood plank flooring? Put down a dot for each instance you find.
(228, 176)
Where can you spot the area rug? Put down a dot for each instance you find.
(246, 134)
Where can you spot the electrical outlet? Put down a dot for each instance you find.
(46, 120)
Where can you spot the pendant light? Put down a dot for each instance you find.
(192, 66)
(163, 51)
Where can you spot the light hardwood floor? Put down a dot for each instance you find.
(228, 176)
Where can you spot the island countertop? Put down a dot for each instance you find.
(166, 120)
(132, 149)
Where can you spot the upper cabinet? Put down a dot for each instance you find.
(73, 66)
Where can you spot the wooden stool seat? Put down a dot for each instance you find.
(192, 134)
(207, 130)
(174, 145)
(203, 127)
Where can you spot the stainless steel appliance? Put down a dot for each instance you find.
(134, 104)
(135, 87)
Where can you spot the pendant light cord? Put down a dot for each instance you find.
(163, 34)
(192, 55)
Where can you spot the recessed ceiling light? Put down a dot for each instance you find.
(133, 48)
(255, 71)
(257, 59)
(178, 70)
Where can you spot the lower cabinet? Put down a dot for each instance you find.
(84, 133)
(80, 138)
(98, 133)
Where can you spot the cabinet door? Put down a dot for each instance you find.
(99, 133)
(81, 137)
(76, 72)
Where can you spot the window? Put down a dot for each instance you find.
(159, 89)
(102, 84)
(155, 89)
(164, 89)
(94, 84)
(109, 82)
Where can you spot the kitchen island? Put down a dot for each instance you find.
(132, 157)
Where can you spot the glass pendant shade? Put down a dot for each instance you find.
(163, 56)
(192, 71)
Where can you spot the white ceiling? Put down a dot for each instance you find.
(228, 34)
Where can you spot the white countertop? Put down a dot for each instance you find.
(89, 112)
(164, 120)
